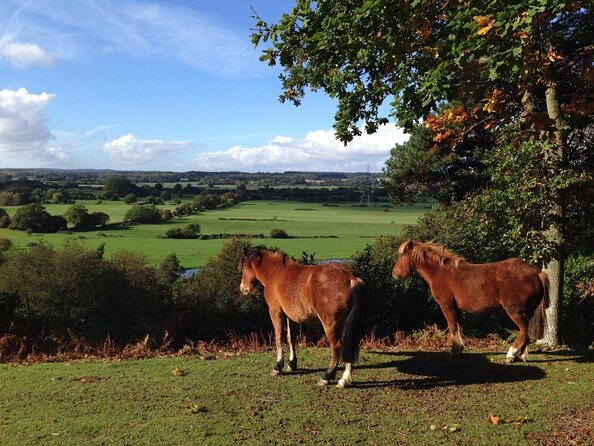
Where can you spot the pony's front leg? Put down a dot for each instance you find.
(276, 316)
(452, 314)
(291, 338)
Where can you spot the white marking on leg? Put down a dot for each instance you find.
(291, 349)
(346, 379)
(511, 354)
(524, 355)
(279, 358)
(459, 333)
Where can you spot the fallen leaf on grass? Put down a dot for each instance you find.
(519, 421)
(195, 408)
(178, 371)
(89, 379)
(446, 428)
(493, 419)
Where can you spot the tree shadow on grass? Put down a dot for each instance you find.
(583, 356)
(437, 369)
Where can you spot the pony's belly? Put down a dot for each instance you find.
(479, 307)
(299, 316)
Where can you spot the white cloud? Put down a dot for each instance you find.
(130, 149)
(319, 151)
(23, 55)
(137, 28)
(24, 132)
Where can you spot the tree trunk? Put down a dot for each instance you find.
(555, 267)
(551, 332)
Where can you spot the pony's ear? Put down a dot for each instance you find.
(246, 251)
(409, 245)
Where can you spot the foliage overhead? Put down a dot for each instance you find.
(491, 60)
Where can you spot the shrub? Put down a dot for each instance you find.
(75, 214)
(33, 217)
(210, 305)
(8, 198)
(393, 305)
(577, 317)
(5, 244)
(184, 209)
(170, 269)
(206, 201)
(129, 199)
(78, 215)
(139, 214)
(4, 219)
(278, 233)
(187, 232)
(77, 292)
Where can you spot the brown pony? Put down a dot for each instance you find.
(329, 292)
(456, 284)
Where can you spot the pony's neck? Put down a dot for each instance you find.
(427, 270)
(269, 267)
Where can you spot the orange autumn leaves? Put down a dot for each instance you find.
(453, 123)
(485, 23)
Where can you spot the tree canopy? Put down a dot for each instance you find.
(491, 59)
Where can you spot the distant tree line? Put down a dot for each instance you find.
(61, 187)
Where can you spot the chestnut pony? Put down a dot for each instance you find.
(329, 292)
(456, 284)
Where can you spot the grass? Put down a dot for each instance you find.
(328, 231)
(409, 398)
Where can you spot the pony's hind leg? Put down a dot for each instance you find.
(276, 317)
(291, 335)
(335, 344)
(519, 348)
(346, 378)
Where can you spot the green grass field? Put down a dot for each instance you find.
(404, 398)
(328, 231)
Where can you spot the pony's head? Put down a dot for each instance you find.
(413, 253)
(404, 266)
(246, 266)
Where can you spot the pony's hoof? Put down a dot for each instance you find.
(323, 382)
(342, 384)
(292, 367)
(275, 372)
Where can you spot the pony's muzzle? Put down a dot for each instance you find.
(244, 289)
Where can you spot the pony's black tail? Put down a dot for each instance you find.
(539, 318)
(352, 330)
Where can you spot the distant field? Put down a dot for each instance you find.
(343, 229)
(398, 398)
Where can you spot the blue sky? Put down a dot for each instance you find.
(158, 85)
